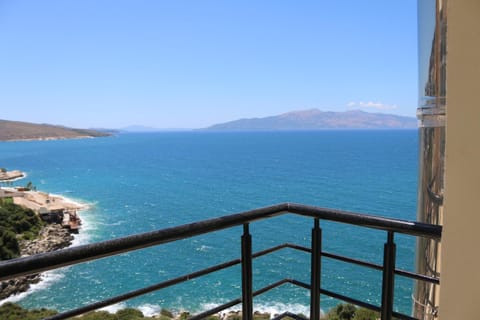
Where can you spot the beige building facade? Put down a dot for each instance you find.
(460, 255)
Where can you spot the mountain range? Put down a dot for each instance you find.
(312, 119)
(315, 119)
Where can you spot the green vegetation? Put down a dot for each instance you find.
(11, 311)
(351, 312)
(30, 186)
(8, 245)
(16, 221)
(124, 314)
(366, 314)
(6, 200)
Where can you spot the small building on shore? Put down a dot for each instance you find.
(50, 208)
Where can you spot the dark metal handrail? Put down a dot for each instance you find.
(56, 259)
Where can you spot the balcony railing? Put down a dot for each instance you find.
(70, 256)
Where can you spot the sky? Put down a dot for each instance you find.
(191, 64)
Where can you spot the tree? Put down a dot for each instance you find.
(366, 314)
(342, 312)
(9, 247)
(15, 220)
(29, 185)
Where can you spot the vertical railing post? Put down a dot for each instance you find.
(315, 271)
(247, 283)
(388, 283)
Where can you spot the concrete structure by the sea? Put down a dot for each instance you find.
(50, 208)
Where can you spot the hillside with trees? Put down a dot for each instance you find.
(16, 223)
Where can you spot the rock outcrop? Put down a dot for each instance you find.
(51, 237)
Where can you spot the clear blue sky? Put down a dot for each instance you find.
(190, 64)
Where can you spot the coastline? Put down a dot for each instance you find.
(10, 176)
(53, 236)
(26, 131)
(47, 139)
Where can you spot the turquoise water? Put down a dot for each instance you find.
(141, 182)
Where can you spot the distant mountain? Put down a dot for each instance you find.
(138, 128)
(145, 129)
(315, 119)
(16, 130)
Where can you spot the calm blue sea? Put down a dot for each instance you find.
(142, 182)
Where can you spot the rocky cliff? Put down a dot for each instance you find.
(51, 237)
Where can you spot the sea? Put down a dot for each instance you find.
(140, 182)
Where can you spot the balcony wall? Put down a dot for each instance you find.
(460, 279)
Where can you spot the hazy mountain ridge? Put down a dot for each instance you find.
(314, 119)
(147, 129)
(17, 130)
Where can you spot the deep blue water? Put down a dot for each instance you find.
(142, 182)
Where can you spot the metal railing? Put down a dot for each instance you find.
(70, 256)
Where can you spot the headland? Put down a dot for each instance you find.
(11, 175)
(59, 219)
(25, 131)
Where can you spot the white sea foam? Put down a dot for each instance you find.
(203, 248)
(118, 223)
(88, 223)
(276, 308)
(16, 179)
(115, 307)
(83, 236)
(271, 308)
(149, 310)
(48, 278)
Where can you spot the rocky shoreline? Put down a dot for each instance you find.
(10, 175)
(59, 215)
(52, 237)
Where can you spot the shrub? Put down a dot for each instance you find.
(98, 315)
(16, 220)
(9, 248)
(11, 311)
(366, 314)
(342, 312)
(129, 314)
